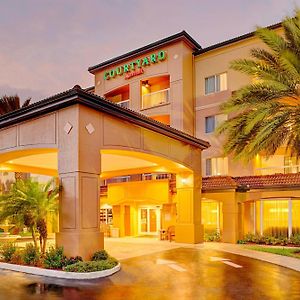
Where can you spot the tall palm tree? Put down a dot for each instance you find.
(266, 113)
(9, 104)
(28, 203)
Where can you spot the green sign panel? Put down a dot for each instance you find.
(136, 67)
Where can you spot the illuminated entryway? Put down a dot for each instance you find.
(212, 216)
(149, 220)
(272, 217)
(79, 127)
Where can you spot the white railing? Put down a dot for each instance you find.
(278, 169)
(124, 103)
(156, 98)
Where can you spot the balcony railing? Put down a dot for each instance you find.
(124, 103)
(279, 169)
(156, 98)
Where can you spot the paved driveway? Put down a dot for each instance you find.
(179, 273)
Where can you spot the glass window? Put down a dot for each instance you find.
(215, 83)
(210, 85)
(291, 165)
(275, 218)
(210, 215)
(208, 167)
(295, 216)
(212, 122)
(216, 166)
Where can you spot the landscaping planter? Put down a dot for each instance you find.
(59, 274)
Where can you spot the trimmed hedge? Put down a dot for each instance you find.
(92, 266)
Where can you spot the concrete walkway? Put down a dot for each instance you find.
(129, 247)
(284, 261)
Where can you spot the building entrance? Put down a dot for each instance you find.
(149, 220)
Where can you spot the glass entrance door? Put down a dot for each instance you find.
(149, 220)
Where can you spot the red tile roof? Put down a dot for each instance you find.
(218, 183)
(267, 181)
(251, 182)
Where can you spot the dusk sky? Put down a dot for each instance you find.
(47, 45)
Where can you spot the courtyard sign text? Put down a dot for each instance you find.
(135, 68)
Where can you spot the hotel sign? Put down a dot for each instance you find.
(135, 68)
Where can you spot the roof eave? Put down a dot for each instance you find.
(183, 35)
(232, 41)
(79, 96)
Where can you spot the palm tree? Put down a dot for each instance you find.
(28, 203)
(266, 113)
(9, 104)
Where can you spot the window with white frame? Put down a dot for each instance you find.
(216, 83)
(212, 122)
(216, 166)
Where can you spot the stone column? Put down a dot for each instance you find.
(230, 220)
(79, 169)
(188, 227)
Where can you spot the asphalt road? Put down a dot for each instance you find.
(181, 273)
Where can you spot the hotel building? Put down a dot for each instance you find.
(176, 82)
(142, 129)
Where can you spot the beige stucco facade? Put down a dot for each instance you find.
(150, 172)
(79, 136)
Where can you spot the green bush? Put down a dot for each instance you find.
(7, 251)
(17, 258)
(31, 256)
(73, 260)
(55, 258)
(295, 239)
(100, 255)
(92, 266)
(213, 236)
(241, 242)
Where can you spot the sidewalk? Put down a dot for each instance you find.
(128, 247)
(283, 261)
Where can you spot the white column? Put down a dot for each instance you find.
(254, 217)
(290, 221)
(261, 217)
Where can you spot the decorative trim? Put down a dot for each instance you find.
(209, 105)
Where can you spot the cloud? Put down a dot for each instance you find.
(47, 46)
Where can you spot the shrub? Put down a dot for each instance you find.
(7, 251)
(55, 258)
(295, 239)
(17, 258)
(241, 242)
(212, 236)
(100, 255)
(249, 237)
(92, 266)
(73, 260)
(31, 255)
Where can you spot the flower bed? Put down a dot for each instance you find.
(55, 264)
(294, 240)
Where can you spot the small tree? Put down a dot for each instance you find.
(27, 204)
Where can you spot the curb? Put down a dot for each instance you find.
(60, 274)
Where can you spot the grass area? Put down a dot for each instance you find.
(292, 252)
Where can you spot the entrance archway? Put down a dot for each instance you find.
(80, 128)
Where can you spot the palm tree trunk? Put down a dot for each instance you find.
(44, 245)
(41, 242)
(34, 238)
